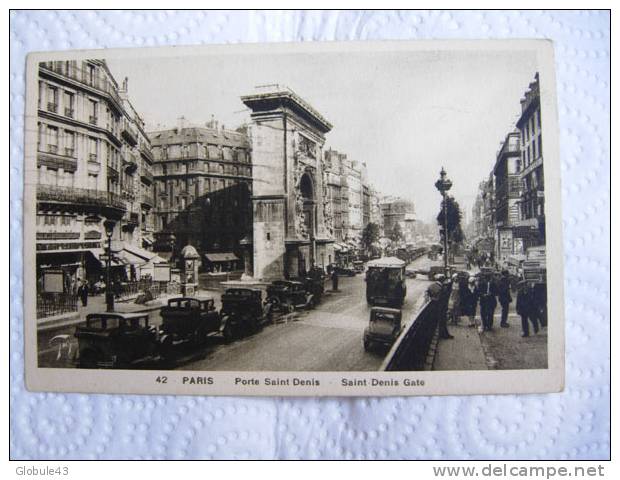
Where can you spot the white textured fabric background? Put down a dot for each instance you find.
(572, 425)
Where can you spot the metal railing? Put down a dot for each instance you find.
(69, 112)
(49, 304)
(82, 196)
(412, 347)
(133, 289)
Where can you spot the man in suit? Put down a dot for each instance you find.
(526, 308)
(488, 302)
(504, 297)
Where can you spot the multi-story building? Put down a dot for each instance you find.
(203, 187)
(375, 209)
(507, 193)
(396, 210)
(333, 170)
(531, 226)
(82, 173)
(353, 173)
(137, 176)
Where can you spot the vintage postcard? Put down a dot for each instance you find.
(361, 218)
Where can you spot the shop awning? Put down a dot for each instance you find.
(221, 257)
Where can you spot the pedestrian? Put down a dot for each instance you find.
(454, 301)
(526, 308)
(434, 294)
(540, 302)
(334, 280)
(504, 297)
(469, 301)
(488, 302)
(82, 292)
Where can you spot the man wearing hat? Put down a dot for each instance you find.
(488, 302)
(504, 297)
(526, 308)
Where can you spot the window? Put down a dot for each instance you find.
(92, 149)
(52, 139)
(69, 111)
(534, 156)
(540, 145)
(52, 99)
(69, 143)
(91, 74)
(92, 112)
(538, 118)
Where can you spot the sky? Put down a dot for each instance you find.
(405, 114)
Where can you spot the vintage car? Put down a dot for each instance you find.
(384, 327)
(243, 312)
(385, 282)
(187, 320)
(345, 271)
(116, 340)
(358, 266)
(289, 295)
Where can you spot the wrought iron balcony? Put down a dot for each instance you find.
(129, 134)
(52, 148)
(92, 157)
(79, 196)
(92, 119)
(52, 107)
(69, 152)
(69, 112)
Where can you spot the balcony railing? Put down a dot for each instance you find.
(146, 176)
(80, 196)
(69, 152)
(52, 148)
(52, 107)
(69, 112)
(147, 154)
(56, 162)
(129, 133)
(92, 157)
(92, 119)
(147, 200)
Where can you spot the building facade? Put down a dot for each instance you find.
(85, 175)
(333, 171)
(507, 193)
(531, 226)
(203, 188)
(292, 216)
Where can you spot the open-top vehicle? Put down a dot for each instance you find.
(116, 340)
(187, 320)
(384, 327)
(243, 312)
(287, 296)
(385, 282)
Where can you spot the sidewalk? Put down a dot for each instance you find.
(501, 348)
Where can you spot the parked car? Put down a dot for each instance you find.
(384, 327)
(385, 282)
(343, 270)
(287, 295)
(187, 320)
(243, 312)
(314, 285)
(116, 340)
(358, 266)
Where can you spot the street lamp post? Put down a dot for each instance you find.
(109, 294)
(443, 185)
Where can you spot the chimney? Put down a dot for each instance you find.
(125, 84)
(181, 122)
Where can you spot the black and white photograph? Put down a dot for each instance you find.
(357, 218)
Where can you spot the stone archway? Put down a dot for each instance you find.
(307, 191)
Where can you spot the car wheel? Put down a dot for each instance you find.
(228, 332)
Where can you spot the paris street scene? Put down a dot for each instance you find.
(284, 213)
